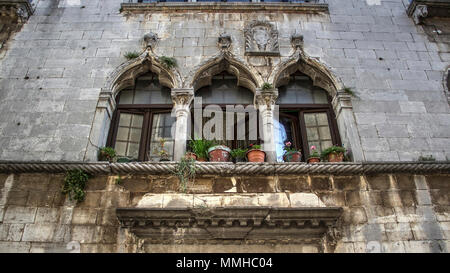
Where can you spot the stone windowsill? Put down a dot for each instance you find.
(224, 7)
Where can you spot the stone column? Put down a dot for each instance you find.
(182, 98)
(343, 109)
(100, 127)
(265, 102)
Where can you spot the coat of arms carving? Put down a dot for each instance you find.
(261, 39)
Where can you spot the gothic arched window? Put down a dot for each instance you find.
(238, 118)
(143, 120)
(306, 117)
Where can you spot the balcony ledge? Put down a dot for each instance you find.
(231, 169)
(224, 7)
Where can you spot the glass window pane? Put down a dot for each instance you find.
(324, 133)
(125, 120)
(122, 133)
(320, 96)
(310, 120)
(126, 97)
(300, 90)
(161, 139)
(318, 134)
(129, 135)
(322, 118)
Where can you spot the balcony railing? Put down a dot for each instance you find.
(247, 1)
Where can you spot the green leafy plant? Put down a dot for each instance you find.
(185, 171)
(239, 153)
(168, 62)
(254, 147)
(200, 147)
(74, 184)
(131, 55)
(106, 154)
(427, 158)
(119, 180)
(267, 86)
(333, 149)
(350, 91)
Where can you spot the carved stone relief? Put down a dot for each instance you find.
(261, 39)
(224, 41)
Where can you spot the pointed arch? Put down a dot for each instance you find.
(246, 76)
(125, 75)
(318, 72)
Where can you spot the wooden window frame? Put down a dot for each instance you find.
(147, 111)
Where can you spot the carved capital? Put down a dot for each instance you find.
(420, 13)
(182, 98)
(224, 42)
(150, 40)
(266, 98)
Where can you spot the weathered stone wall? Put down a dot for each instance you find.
(55, 67)
(387, 213)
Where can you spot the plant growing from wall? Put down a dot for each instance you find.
(350, 91)
(185, 171)
(74, 184)
(131, 55)
(168, 62)
(267, 86)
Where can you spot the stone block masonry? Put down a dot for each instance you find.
(393, 212)
(53, 69)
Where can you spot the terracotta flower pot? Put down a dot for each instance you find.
(219, 154)
(190, 155)
(201, 159)
(256, 155)
(292, 157)
(335, 157)
(313, 160)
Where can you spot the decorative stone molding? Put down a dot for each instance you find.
(171, 7)
(261, 39)
(228, 168)
(150, 40)
(182, 96)
(318, 73)
(224, 42)
(225, 61)
(19, 10)
(418, 10)
(297, 41)
(241, 224)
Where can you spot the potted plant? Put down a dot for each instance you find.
(163, 154)
(291, 154)
(106, 154)
(255, 154)
(314, 156)
(190, 155)
(334, 153)
(239, 154)
(219, 153)
(200, 148)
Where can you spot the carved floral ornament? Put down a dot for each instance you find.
(261, 39)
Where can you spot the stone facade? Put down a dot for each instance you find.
(56, 68)
(380, 212)
(60, 72)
